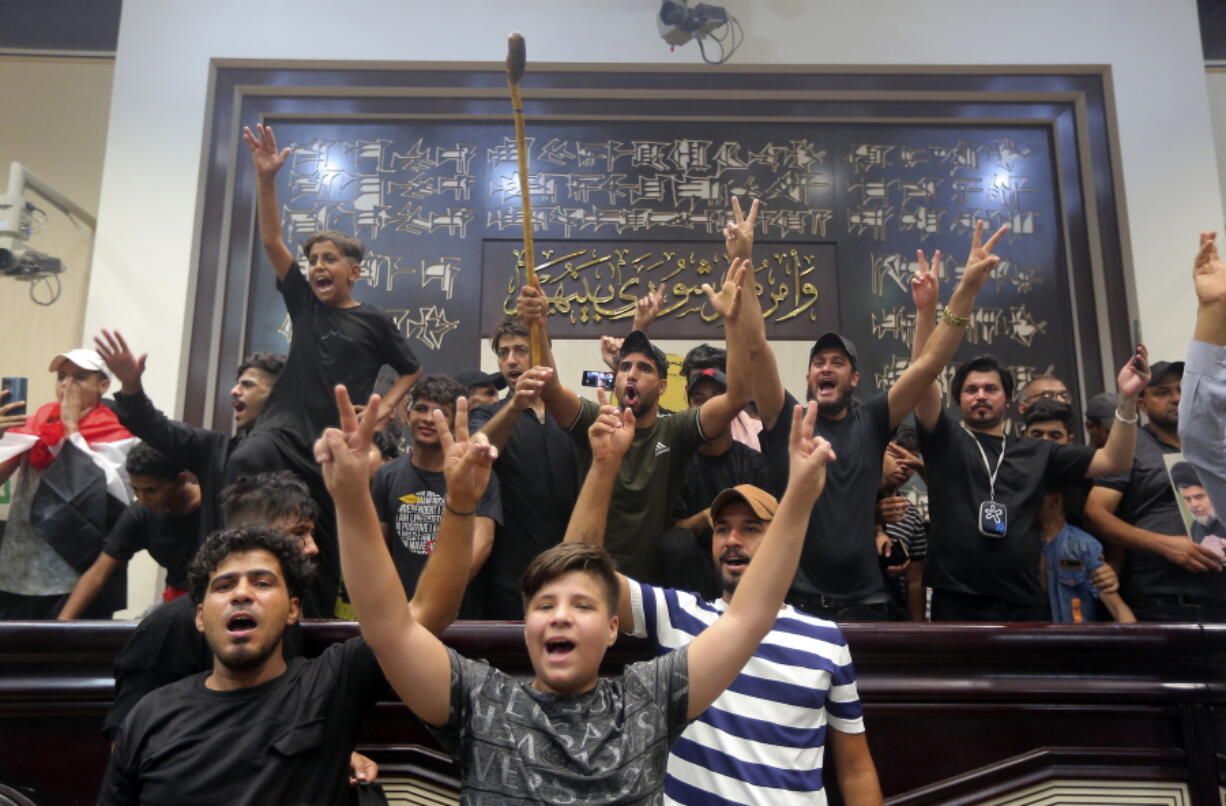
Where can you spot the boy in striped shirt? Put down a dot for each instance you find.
(763, 740)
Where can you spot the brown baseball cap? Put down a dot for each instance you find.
(760, 501)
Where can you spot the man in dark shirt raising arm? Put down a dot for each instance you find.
(257, 729)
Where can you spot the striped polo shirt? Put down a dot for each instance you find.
(763, 740)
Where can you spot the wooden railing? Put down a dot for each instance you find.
(955, 713)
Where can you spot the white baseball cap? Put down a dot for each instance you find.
(85, 359)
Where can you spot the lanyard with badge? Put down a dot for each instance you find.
(993, 517)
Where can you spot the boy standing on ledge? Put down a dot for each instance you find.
(335, 340)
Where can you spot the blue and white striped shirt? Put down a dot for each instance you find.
(763, 740)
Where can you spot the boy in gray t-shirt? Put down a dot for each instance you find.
(567, 735)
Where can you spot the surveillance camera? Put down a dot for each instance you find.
(678, 23)
(17, 260)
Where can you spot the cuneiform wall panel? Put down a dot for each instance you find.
(431, 199)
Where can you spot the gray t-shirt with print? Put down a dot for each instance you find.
(610, 745)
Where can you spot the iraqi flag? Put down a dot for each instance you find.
(84, 486)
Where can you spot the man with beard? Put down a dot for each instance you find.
(1204, 518)
(985, 492)
(1167, 576)
(256, 728)
(410, 491)
(537, 469)
(166, 646)
(840, 575)
(801, 675)
(663, 446)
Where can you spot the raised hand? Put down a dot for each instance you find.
(925, 286)
(981, 261)
(807, 454)
(648, 308)
(532, 305)
(1135, 374)
(1210, 272)
(738, 233)
(344, 453)
(529, 386)
(612, 432)
(268, 160)
(467, 461)
(727, 303)
(610, 347)
(7, 420)
(119, 359)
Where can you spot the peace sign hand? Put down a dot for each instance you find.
(467, 460)
(738, 233)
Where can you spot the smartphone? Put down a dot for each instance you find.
(594, 377)
(898, 555)
(17, 389)
(1136, 342)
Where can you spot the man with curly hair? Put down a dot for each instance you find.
(256, 728)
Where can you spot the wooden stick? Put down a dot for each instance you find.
(516, 61)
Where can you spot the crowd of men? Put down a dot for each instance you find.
(438, 498)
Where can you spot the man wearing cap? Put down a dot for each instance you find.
(840, 576)
(1167, 576)
(663, 446)
(764, 739)
(1100, 416)
(71, 488)
(481, 387)
(537, 470)
(720, 463)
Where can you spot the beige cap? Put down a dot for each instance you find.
(760, 501)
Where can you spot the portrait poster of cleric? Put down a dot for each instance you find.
(1199, 516)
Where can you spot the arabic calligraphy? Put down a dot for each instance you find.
(601, 282)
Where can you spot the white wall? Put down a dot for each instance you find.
(1216, 80)
(150, 188)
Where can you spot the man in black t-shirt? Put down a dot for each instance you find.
(167, 646)
(255, 729)
(840, 576)
(985, 491)
(1167, 576)
(165, 521)
(410, 491)
(537, 470)
(258, 729)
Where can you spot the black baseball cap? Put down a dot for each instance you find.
(831, 339)
(1160, 369)
(637, 342)
(1102, 407)
(475, 377)
(710, 373)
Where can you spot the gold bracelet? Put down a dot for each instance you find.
(953, 320)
